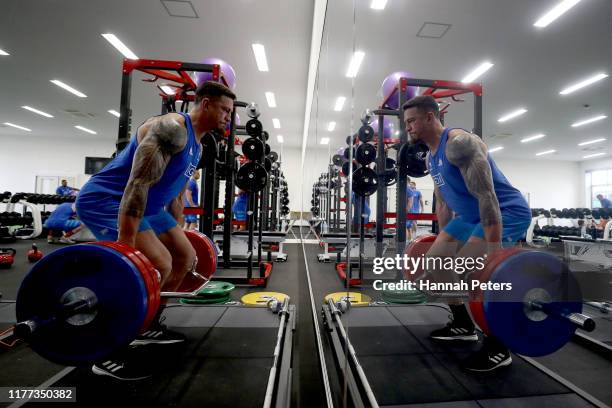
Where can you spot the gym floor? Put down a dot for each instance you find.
(228, 350)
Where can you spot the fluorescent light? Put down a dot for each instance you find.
(260, 57)
(397, 133)
(114, 112)
(84, 129)
(2, 52)
(41, 113)
(324, 140)
(378, 4)
(68, 88)
(481, 69)
(555, 13)
(590, 120)
(496, 149)
(583, 83)
(271, 99)
(17, 126)
(355, 64)
(339, 103)
(280, 139)
(545, 152)
(592, 141)
(168, 90)
(532, 138)
(331, 126)
(276, 123)
(512, 115)
(588, 156)
(120, 46)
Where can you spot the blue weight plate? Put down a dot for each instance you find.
(505, 311)
(121, 308)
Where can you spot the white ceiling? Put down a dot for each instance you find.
(531, 67)
(61, 39)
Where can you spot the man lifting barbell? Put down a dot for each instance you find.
(488, 211)
(136, 199)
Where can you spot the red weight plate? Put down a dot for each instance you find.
(207, 260)
(416, 249)
(83, 271)
(149, 276)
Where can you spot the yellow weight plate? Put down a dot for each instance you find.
(262, 298)
(356, 298)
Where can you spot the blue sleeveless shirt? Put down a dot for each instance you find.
(111, 181)
(447, 177)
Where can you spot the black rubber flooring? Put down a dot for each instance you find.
(405, 368)
(224, 366)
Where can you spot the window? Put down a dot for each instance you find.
(598, 182)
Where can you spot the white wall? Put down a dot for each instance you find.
(588, 166)
(24, 157)
(550, 184)
(315, 163)
(556, 184)
(290, 165)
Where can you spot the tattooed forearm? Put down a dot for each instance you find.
(163, 139)
(469, 154)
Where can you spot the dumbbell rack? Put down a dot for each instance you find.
(254, 212)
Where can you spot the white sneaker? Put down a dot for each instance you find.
(52, 240)
(66, 240)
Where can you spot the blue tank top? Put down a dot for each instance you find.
(111, 181)
(447, 177)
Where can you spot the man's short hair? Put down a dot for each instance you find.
(599, 196)
(64, 180)
(424, 103)
(211, 89)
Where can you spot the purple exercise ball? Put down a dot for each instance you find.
(228, 72)
(390, 82)
(388, 127)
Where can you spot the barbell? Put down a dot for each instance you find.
(81, 303)
(541, 311)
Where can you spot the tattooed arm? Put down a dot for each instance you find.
(443, 212)
(163, 138)
(469, 154)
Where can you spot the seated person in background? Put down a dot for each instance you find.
(239, 209)
(190, 199)
(63, 221)
(605, 203)
(65, 189)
